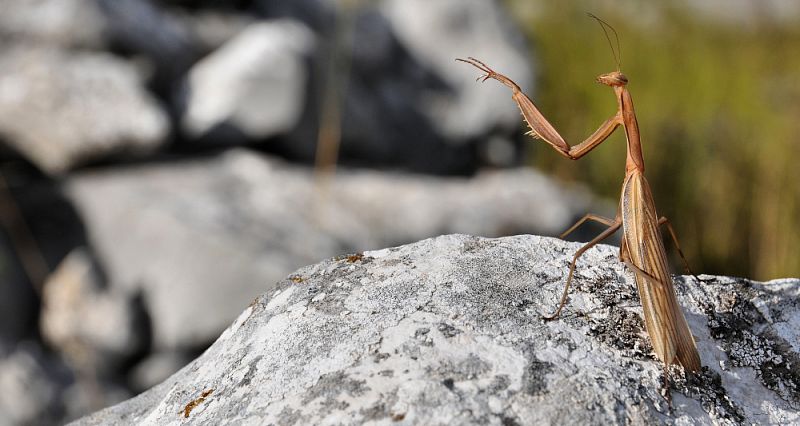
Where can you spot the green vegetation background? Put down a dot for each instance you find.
(718, 105)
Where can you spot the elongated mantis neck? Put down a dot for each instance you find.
(634, 160)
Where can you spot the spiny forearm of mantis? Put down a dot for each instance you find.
(538, 126)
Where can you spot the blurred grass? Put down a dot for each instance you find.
(718, 108)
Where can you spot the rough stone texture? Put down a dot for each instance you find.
(200, 239)
(448, 331)
(59, 109)
(255, 82)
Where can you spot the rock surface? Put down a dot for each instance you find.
(448, 331)
(200, 239)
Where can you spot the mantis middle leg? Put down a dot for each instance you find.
(605, 234)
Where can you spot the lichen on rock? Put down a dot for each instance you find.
(448, 331)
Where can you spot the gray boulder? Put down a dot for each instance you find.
(60, 109)
(449, 331)
(200, 238)
(254, 83)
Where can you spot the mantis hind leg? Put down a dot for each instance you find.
(664, 221)
(597, 218)
(605, 234)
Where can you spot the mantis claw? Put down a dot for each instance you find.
(489, 73)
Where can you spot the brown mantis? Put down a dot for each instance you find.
(642, 248)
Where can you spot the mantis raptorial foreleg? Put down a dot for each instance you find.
(539, 127)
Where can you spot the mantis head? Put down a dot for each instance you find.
(613, 79)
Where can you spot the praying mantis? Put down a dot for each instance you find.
(642, 248)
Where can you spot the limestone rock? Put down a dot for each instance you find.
(199, 239)
(255, 82)
(449, 331)
(59, 109)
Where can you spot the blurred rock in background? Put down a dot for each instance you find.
(133, 233)
(55, 107)
(60, 23)
(253, 85)
(200, 238)
(95, 329)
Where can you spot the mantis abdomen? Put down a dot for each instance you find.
(643, 247)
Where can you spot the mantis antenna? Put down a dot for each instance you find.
(603, 24)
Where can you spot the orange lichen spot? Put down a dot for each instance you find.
(353, 258)
(297, 279)
(193, 404)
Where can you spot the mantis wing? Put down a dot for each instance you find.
(672, 340)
